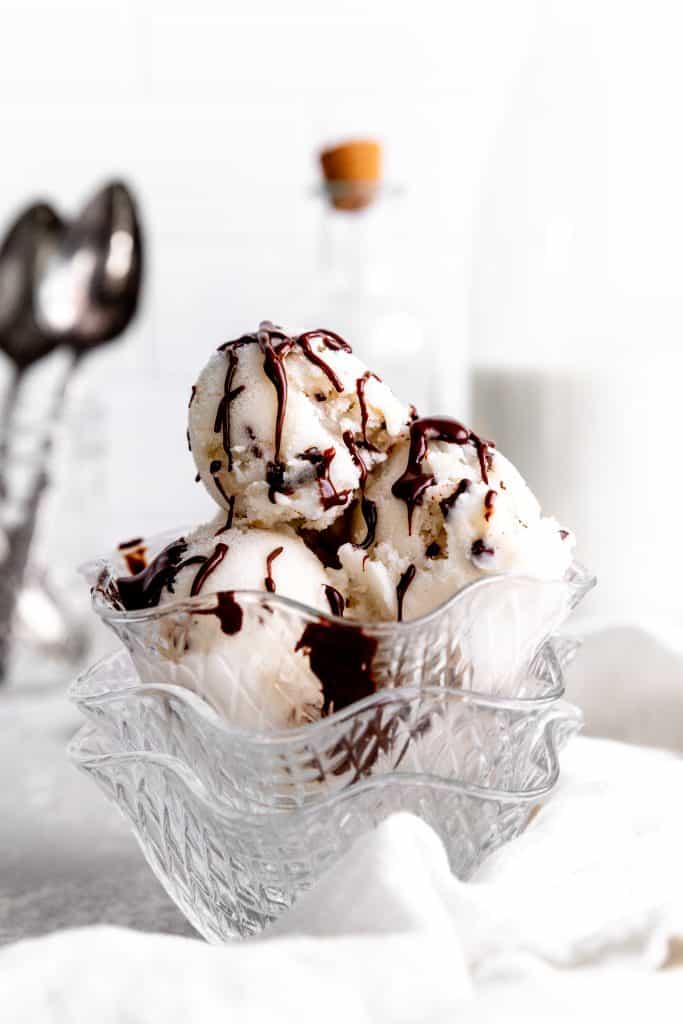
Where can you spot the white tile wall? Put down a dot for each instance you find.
(214, 111)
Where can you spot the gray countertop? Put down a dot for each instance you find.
(67, 857)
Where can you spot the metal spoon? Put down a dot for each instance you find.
(25, 250)
(89, 285)
(77, 286)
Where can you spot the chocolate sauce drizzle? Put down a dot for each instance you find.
(369, 510)
(222, 422)
(362, 401)
(143, 589)
(269, 581)
(348, 439)
(332, 342)
(330, 497)
(489, 504)
(209, 565)
(335, 600)
(229, 498)
(368, 507)
(273, 365)
(275, 478)
(432, 550)
(192, 395)
(275, 344)
(412, 484)
(401, 588)
(231, 512)
(447, 504)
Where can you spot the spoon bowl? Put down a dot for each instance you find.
(27, 247)
(89, 289)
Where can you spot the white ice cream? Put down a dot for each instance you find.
(462, 528)
(314, 474)
(254, 677)
(307, 451)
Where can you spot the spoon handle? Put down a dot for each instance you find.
(21, 535)
(9, 402)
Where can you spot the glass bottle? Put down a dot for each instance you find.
(362, 288)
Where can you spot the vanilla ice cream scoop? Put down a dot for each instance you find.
(239, 656)
(448, 509)
(284, 429)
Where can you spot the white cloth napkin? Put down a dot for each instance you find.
(570, 919)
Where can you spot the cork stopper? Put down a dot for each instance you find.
(352, 173)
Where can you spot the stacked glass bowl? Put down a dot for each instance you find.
(463, 729)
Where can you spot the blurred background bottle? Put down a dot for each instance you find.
(363, 286)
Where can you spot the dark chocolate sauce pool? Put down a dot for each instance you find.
(341, 657)
(227, 611)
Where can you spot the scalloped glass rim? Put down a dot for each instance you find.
(577, 579)
(309, 730)
(86, 760)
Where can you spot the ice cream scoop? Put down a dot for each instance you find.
(448, 509)
(219, 651)
(284, 429)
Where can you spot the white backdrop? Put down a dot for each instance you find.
(214, 110)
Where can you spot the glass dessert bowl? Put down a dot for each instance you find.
(232, 871)
(488, 742)
(461, 724)
(482, 639)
